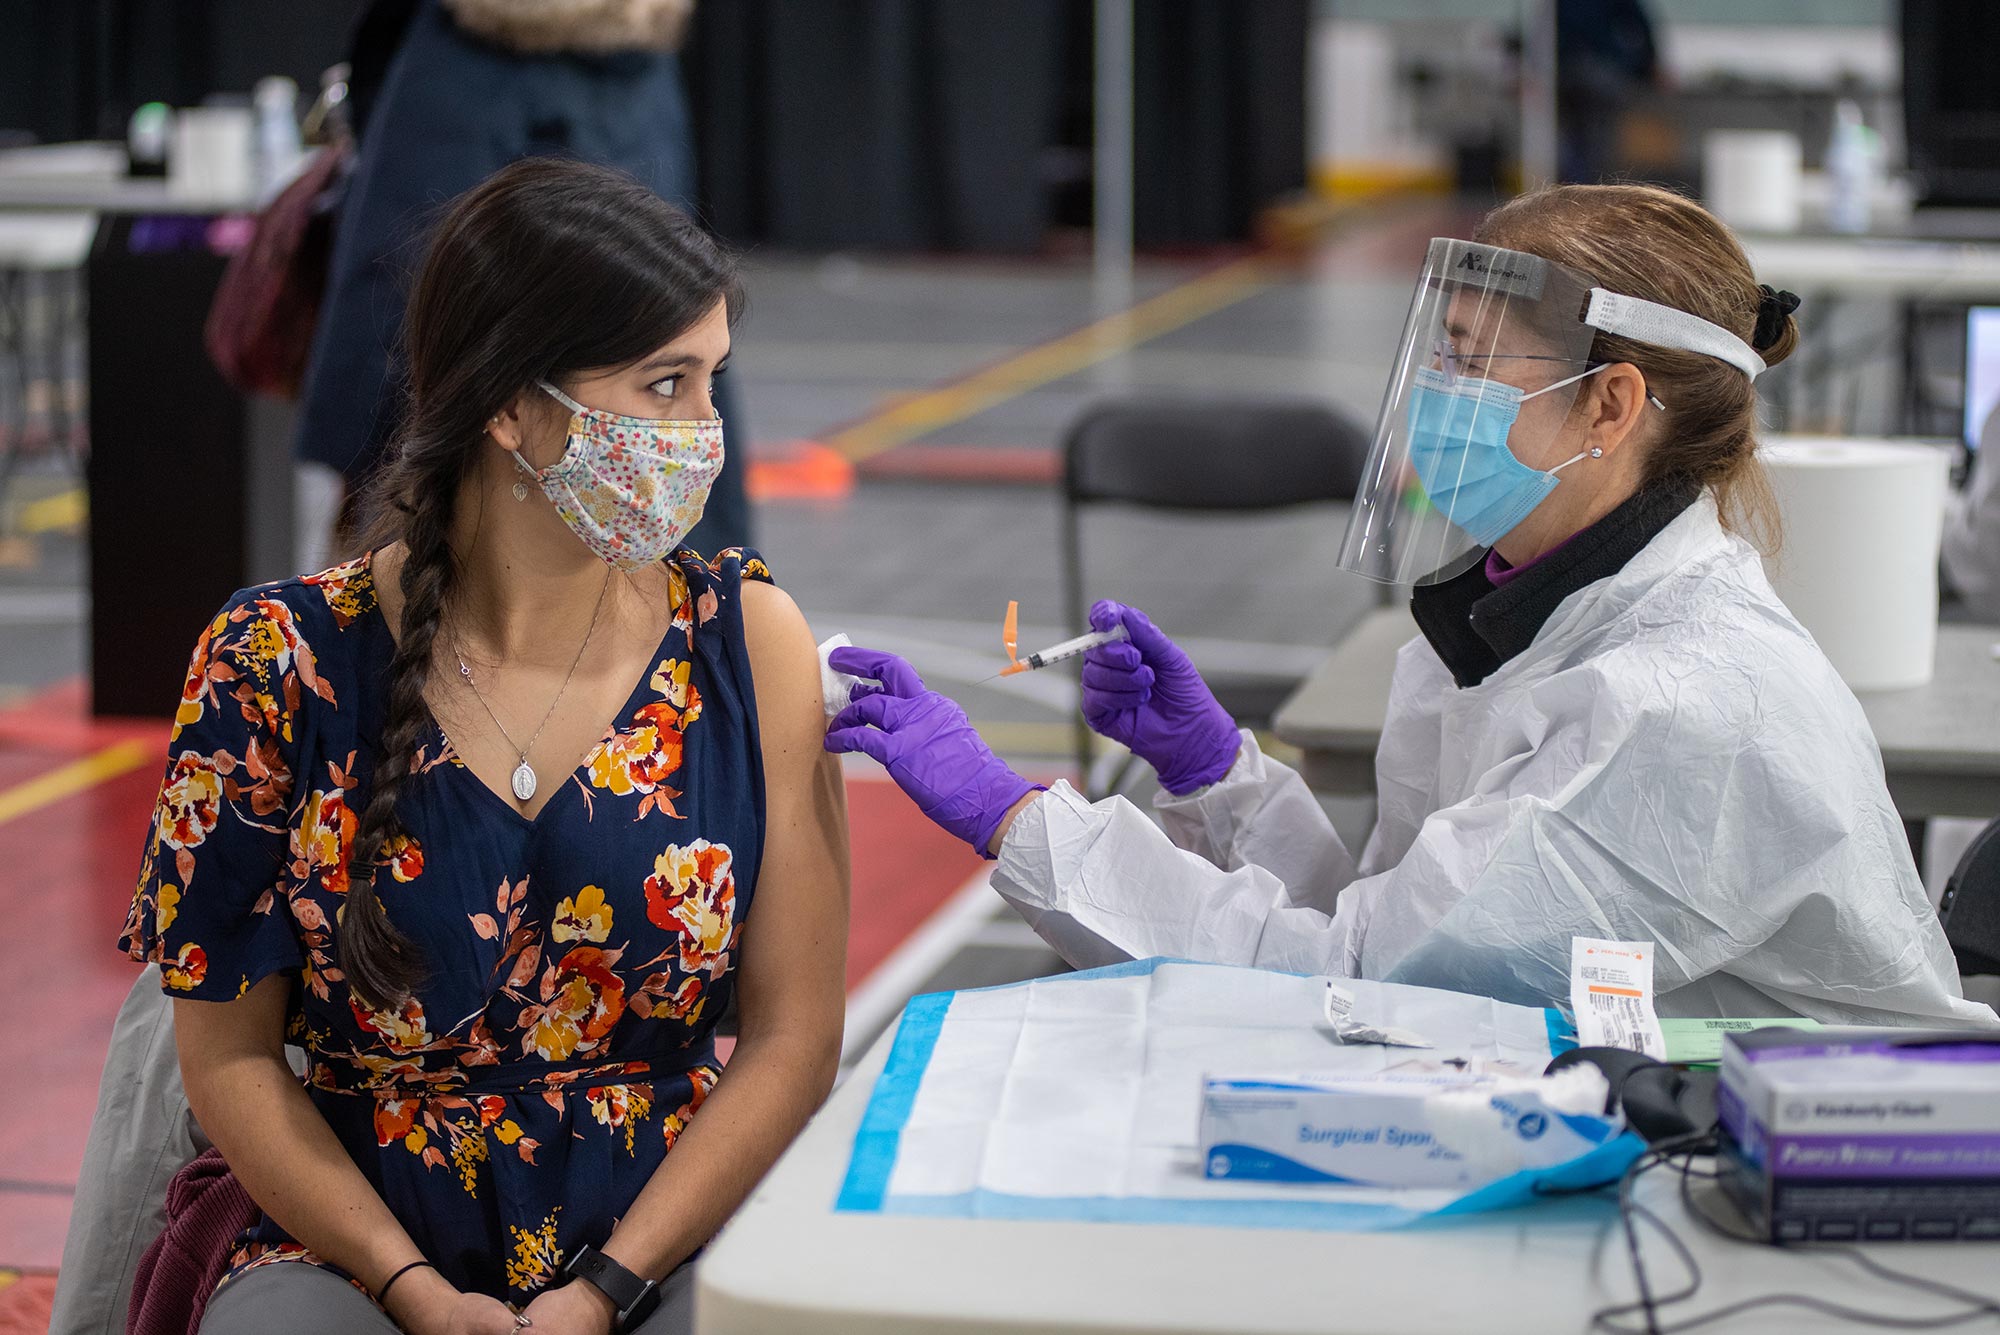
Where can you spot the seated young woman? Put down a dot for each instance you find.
(480, 818)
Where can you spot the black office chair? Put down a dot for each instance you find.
(1208, 456)
(1971, 905)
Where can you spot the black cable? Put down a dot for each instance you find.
(1649, 1305)
(1629, 1212)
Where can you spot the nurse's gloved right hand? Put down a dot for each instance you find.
(1146, 695)
(928, 746)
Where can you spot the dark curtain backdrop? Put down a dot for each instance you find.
(823, 124)
(1219, 115)
(899, 124)
(75, 69)
(964, 124)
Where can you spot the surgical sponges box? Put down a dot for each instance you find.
(1863, 1135)
(1391, 1130)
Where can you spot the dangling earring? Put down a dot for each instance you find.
(520, 488)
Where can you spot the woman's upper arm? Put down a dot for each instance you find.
(210, 1034)
(795, 941)
(207, 906)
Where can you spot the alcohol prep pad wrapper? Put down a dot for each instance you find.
(1345, 1013)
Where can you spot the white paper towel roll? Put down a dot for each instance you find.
(1863, 520)
(1751, 178)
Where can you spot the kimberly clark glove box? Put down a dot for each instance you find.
(1401, 1130)
(1863, 1135)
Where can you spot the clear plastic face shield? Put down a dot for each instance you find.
(1471, 433)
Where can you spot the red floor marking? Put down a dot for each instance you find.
(799, 470)
(905, 868)
(1021, 465)
(24, 1305)
(66, 876)
(59, 717)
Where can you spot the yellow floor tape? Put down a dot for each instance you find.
(75, 777)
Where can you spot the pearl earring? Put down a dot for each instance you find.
(1597, 451)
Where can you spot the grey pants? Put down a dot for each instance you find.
(293, 1298)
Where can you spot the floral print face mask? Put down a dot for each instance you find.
(629, 487)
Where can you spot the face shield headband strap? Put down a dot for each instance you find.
(1665, 327)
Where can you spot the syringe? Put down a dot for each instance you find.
(1056, 653)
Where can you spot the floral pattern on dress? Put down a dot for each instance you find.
(577, 962)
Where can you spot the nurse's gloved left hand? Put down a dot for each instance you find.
(928, 746)
(1147, 696)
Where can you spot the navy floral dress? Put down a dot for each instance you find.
(516, 1105)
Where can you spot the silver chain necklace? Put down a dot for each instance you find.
(524, 781)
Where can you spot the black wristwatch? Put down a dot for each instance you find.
(634, 1298)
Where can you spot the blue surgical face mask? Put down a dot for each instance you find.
(1458, 446)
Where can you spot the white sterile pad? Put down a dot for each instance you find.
(1080, 1097)
(836, 689)
(1611, 994)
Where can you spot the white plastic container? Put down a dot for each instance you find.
(211, 160)
(278, 147)
(1752, 179)
(1853, 160)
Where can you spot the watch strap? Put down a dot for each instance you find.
(635, 1298)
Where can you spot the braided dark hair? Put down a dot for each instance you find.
(548, 269)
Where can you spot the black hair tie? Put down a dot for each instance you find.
(1772, 312)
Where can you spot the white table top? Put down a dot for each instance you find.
(91, 177)
(119, 195)
(45, 241)
(1877, 266)
(788, 1265)
(1940, 742)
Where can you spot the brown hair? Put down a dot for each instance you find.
(1658, 246)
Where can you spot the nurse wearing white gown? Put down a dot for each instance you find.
(1610, 726)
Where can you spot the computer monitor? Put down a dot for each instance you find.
(1982, 369)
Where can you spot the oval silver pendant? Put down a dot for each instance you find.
(524, 782)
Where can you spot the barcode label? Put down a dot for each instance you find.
(1611, 993)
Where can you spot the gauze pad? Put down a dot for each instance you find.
(837, 688)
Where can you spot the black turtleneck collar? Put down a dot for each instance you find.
(1476, 627)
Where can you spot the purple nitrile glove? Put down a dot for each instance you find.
(1146, 695)
(928, 746)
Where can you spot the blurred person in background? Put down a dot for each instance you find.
(446, 92)
(1972, 531)
(1605, 59)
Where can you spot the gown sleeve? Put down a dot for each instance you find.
(207, 908)
(1102, 883)
(1262, 813)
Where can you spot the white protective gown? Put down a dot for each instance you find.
(1672, 760)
